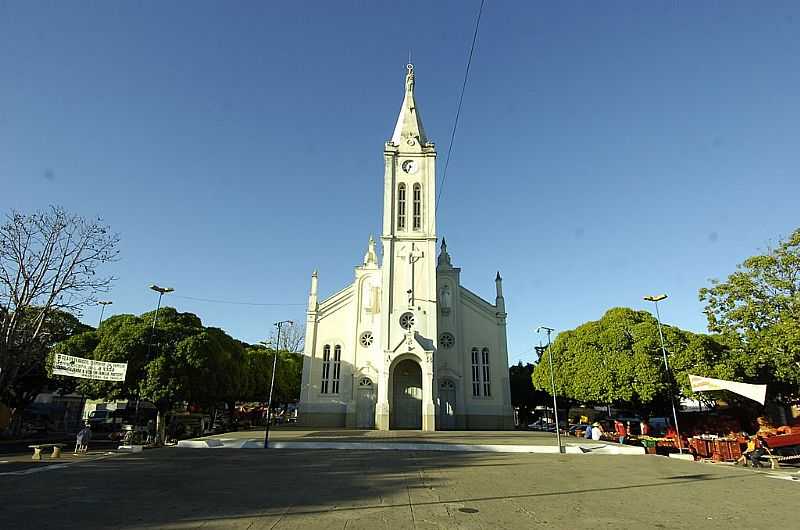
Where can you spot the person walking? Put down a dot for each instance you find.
(82, 440)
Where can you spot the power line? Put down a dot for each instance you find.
(211, 300)
(460, 101)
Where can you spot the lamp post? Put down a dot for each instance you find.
(103, 303)
(161, 292)
(561, 448)
(656, 299)
(272, 382)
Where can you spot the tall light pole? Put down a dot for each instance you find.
(103, 303)
(161, 292)
(656, 299)
(561, 448)
(272, 382)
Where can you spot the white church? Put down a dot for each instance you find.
(405, 345)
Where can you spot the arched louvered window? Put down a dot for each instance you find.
(481, 380)
(326, 368)
(476, 372)
(337, 369)
(487, 387)
(417, 207)
(401, 207)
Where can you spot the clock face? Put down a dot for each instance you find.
(409, 166)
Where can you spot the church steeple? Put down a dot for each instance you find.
(409, 122)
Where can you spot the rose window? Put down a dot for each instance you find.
(367, 339)
(407, 320)
(446, 340)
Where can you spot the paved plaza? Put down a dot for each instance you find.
(257, 488)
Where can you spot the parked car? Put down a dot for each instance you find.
(543, 424)
(573, 431)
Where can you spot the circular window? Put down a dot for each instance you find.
(407, 320)
(367, 339)
(446, 340)
(365, 381)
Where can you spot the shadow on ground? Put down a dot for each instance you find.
(224, 488)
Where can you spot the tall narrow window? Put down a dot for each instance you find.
(401, 207)
(337, 366)
(487, 387)
(326, 368)
(476, 372)
(417, 207)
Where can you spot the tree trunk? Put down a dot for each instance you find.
(161, 427)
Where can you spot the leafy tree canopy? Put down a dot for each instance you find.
(618, 360)
(757, 311)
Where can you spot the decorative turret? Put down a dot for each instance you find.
(444, 257)
(409, 122)
(499, 301)
(312, 297)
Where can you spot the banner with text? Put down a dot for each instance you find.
(706, 384)
(88, 368)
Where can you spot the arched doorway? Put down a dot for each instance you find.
(365, 404)
(447, 404)
(406, 396)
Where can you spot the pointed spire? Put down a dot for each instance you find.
(371, 258)
(499, 301)
(312, 296)
(409, 122)
(444, 257)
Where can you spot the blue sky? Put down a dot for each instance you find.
(605, 150)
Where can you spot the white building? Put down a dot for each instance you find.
(405, 346)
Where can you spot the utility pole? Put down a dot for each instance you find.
(272, 382)
(561, 448)
(656, 299)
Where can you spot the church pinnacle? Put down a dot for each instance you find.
(409, 122)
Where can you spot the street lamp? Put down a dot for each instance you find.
(161, 292)
(272, 382)
(103, 303)
(561, 448)
(656, 299)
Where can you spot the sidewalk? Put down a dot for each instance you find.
(487, 441)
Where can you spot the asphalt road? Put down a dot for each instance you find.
(257, 488)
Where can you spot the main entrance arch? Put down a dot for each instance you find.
(406, 410)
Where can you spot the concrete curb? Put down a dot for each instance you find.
(407, 446)
(200, 444)
(130, 448)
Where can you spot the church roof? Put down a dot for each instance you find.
(409, 122)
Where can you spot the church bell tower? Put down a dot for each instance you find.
(409, 243)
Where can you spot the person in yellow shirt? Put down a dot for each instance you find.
(751, 447)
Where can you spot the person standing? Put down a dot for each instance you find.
(82, 440)
(597, 431)
(588, 434)
(619, 429)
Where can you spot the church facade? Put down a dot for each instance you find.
(405, 345)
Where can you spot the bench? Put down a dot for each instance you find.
(37, 450)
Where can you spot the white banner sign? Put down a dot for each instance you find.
(705, 384)
(89, 368)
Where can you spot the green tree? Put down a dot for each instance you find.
(179, 360)
(757, 311)
(287, 376)
(50, 267)
(617, 360)
(523, 394)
